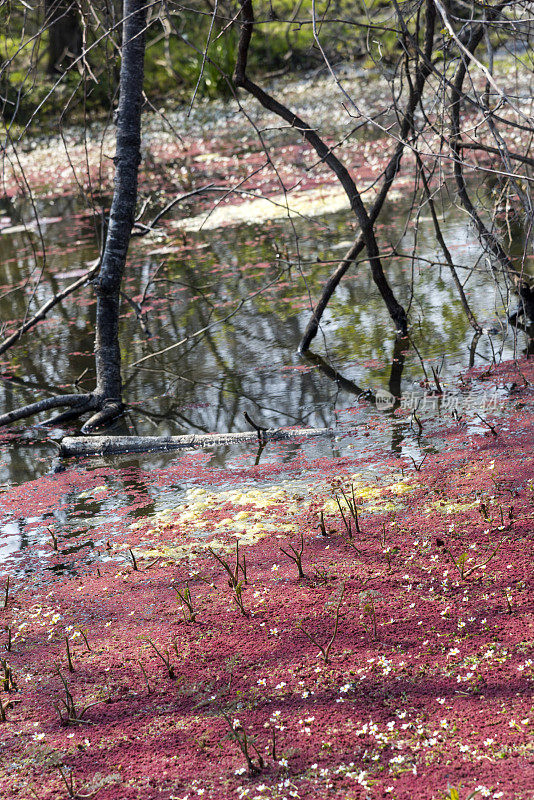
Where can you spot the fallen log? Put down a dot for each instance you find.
(111, 445)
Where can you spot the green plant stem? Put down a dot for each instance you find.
(69, 659)
(165, 658)
(325, 649)
(296, 555)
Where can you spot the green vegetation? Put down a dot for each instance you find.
(187, 49)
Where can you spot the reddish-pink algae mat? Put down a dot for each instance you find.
(399, 666)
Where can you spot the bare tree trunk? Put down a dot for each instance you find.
(122, 214)
(106, 399)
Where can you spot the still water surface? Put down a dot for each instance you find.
(249, 362)
(187, 281)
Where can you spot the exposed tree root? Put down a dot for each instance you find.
(110, 410)
(67, 416)
(74, 401)
(106, 410)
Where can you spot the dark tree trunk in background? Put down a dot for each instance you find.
(122, 214)
(62, 19)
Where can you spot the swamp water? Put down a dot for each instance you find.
(270, 273)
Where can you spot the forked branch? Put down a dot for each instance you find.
(325, 153)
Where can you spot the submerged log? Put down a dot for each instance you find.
(110, 445)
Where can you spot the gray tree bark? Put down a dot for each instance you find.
(106, 399)
(107, 445)
(122, 214)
